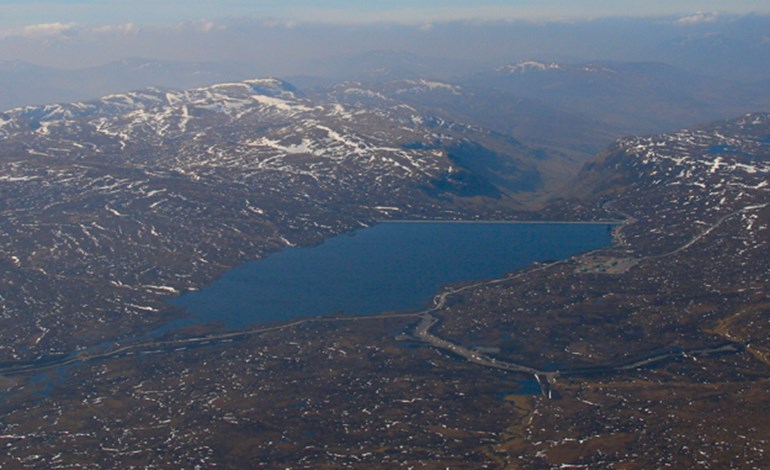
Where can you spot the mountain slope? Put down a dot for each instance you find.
(546, 140)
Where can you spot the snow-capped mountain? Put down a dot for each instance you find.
(110, 205)
(681, 185)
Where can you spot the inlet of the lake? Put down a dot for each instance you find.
(388, 267)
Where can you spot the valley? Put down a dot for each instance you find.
(651, 352)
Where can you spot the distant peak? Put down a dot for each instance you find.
(268, 82)
(532, 66)
(271, 87)
(529, 66)
(594, 68)
(425, 85)
(140, 63)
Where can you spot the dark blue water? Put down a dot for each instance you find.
(391, 266)
(528, 386)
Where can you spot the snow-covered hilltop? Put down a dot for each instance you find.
(529, 66)
(684, 184)
(534, 67)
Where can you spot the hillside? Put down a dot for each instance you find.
(653, 352)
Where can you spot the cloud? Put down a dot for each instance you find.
(698, 18)
(66, 31)
(47, 30)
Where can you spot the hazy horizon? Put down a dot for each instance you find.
(185, 45)
(285, 47)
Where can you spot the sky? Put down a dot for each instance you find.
(15, 15)
(181, 42)
(297, 36)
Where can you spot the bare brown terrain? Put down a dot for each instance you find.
(651, 353)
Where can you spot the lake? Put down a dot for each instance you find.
(391, 266)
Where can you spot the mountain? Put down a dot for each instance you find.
(111, 205)
(627, 97)
(653, 352)
(558, 140)
(566, 112)
(739, 52)
(28, 84)
(676, 184)
(388, 65)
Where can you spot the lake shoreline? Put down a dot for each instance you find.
(502, 222)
